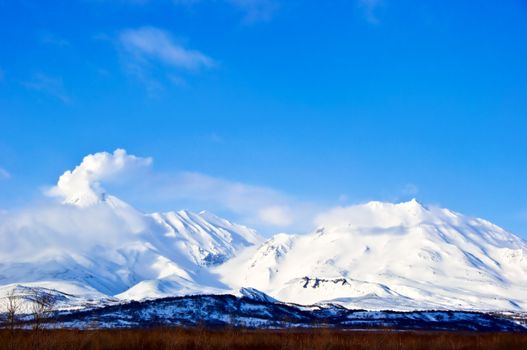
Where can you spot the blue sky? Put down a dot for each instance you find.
(310, 103)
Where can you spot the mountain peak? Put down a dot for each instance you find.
(90, 199)
(412, 204)
(391, 255)
(86, 199)
(376, 214)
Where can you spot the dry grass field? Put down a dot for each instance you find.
(254, 339)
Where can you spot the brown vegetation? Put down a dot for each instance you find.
(247, 339)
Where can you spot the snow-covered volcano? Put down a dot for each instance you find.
(108, 248)
(375, 256)
(390, 256)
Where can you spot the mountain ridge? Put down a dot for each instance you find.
(403, 256)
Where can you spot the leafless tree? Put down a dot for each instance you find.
(42, 308)
(13, 305)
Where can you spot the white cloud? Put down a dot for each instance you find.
(47, 38)
(343, 198)
(256, 10)
(280, 216)
(371, 214)
(253, 10)
(410, 189)
(84, 182)
(522, 215)
(343, 216)
(153, 44)
(215, 138)
(153, 57)
(61, 228)
(132, 179)
(51, 86)
(370, 8)
(54, 229)
(254, 205)
(4, 174)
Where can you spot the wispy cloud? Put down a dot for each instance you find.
(371, 7)
(52, 86)
(153, 44)
(252, 10)
(215, 138)
(281, 216)
(47, 38)
(4, 174)
(522, 215)
(55, 228)
(153, 57)
(255, 205)
(256, 10)
(410, 189)
(259, 206)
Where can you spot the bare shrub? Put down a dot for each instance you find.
(13, 305)
(42, 307)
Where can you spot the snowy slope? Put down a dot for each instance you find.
(375, 256)
(390, 256)
(106, 247)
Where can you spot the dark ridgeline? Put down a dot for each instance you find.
(220, 311)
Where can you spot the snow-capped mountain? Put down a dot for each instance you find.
(390, 256)
(106, 248)
(402, 256)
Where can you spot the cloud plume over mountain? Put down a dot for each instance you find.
(82, 185)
